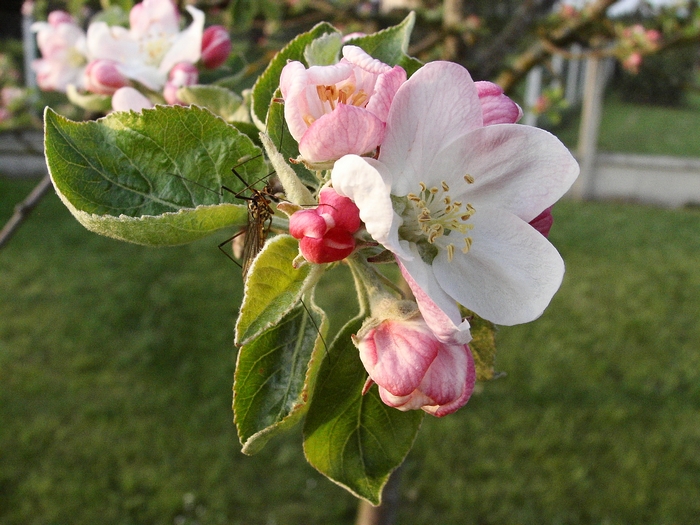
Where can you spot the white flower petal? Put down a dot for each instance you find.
(360, 180)
(440, 311)
(187, 46)
(439, 102)
(509, 275)
(516, 168)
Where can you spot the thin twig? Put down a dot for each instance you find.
(23, 209)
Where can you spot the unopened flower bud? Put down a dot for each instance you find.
(412, 368)
(326, 233)
(216, 46)
(182, 74)
(103, 77)
(57, 18)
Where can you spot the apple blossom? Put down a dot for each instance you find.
(452, 199)
(339, 109)
(326, 233)
(411, 366)
(216, 46)
(63, 50)
(152, 46)
(103, 77)
(183, 74)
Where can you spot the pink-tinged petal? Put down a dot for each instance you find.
(510, 273)
(413, 401)
(497, 108)
(444, 320)
(442, 382)
(335, 245)
(359, 57)
(328, 75)
(348, 129)
(345, 214)
(397, 353)
(187, 46)
(363, 181)
(446, 387)
(128, 99)
(543, 222)
(56, 18)
(516, 168)
(293, 82)
(307, 223)
(438, 102)
(384, 92)
(154, 16)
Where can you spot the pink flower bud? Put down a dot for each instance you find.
(496, 107)
(129, 99)
(216, 46)
(102, 76)
(57, 18)
(412, 368)
(182, 74)
(326, 233)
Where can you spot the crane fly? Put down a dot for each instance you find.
(259, 221)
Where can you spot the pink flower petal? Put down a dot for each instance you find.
(348, 129)
(445, 320)
(497, 108)
(396, 354)
(384, 92)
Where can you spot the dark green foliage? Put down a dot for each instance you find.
(663, 79)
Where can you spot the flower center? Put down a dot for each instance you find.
(331, 96)
(75, 58)
(432, 220)
(154, 48)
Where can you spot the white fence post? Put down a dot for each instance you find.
(28, 43)
(590, 124)
(532, 92)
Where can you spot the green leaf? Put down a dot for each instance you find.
(269, 81)
(153, 177)
(218, 100)
(483, 346)
(391, 45)
(89, 101)
(273, 287)
(356, 441)
(274, 376)
(324, 51)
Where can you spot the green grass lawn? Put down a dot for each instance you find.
(651, 130)
(116, 365)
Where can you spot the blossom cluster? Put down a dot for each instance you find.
(138, 66)
(633, 43)
(433, 171)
